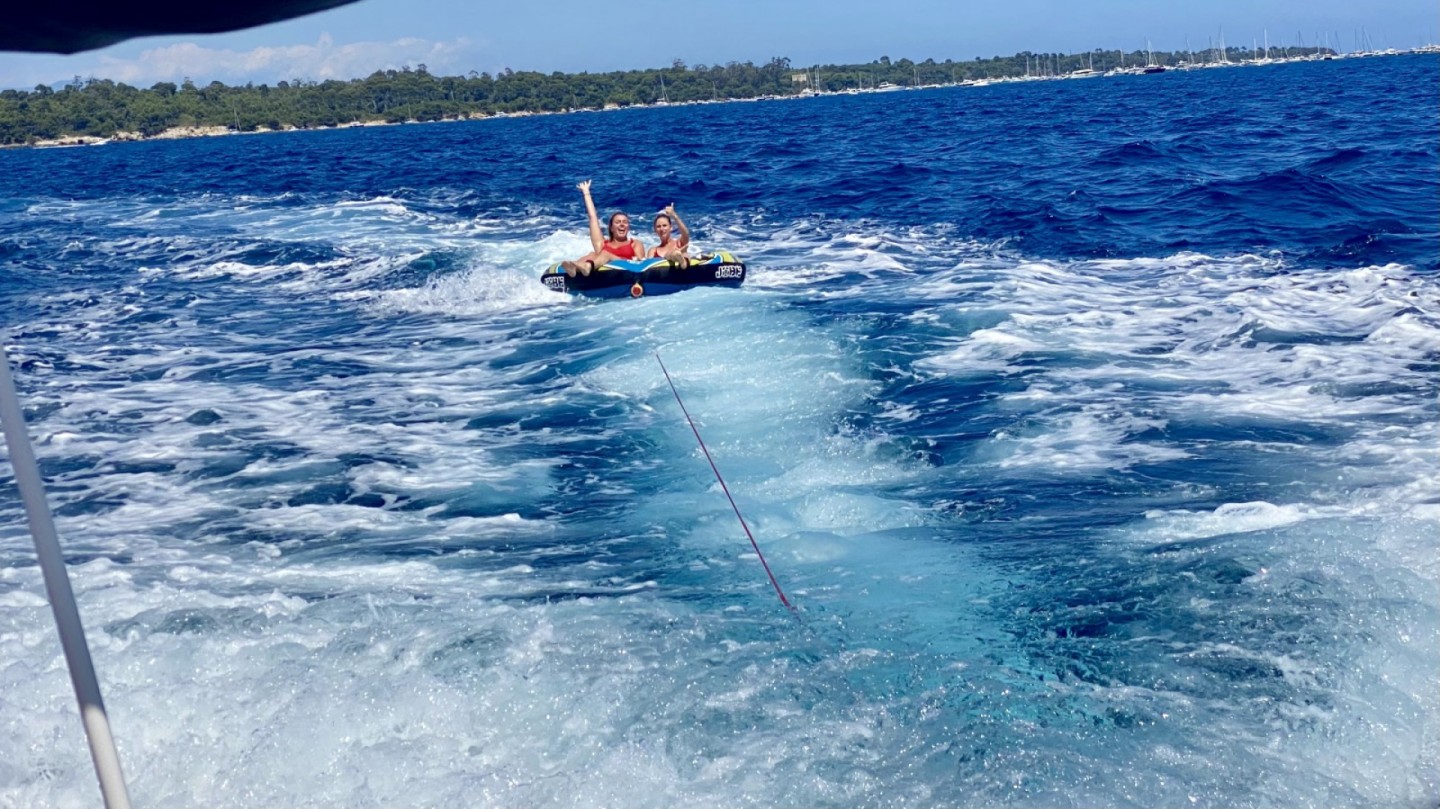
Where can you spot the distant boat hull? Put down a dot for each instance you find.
(655, 276)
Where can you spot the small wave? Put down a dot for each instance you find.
(1296, 190)
(475, 291)
(1338, 158)
(1131, 153)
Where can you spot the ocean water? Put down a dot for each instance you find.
(1092, 427)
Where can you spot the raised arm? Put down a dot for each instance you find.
(597, 236)
(684, 240)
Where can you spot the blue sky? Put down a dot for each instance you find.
(453, 37)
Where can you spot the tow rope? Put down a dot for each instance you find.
(723, 487)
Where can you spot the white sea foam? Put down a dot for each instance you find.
(1227, 519)
(1093, 439)
(459, 547)
(1336, 334)
(502, 277)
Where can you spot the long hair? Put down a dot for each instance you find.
(668, 218)
(610, 224)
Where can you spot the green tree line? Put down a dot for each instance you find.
(102, 108)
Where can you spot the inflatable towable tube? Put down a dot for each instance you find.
(651, 276)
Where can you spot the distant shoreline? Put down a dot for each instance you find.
(189, 132)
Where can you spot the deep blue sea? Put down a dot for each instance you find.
(1091, 425)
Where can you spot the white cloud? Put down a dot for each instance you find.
(267, 65)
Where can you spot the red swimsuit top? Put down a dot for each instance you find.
(622, 250)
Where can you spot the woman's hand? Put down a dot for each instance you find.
(584, 186)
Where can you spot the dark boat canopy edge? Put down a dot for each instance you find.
(71, 26)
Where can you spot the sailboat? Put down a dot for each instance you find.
(1085, 71)
(1150, 66)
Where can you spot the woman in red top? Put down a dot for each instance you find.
(619, 245)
